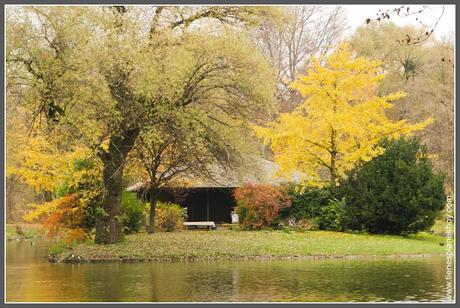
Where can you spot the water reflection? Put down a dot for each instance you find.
(31, 278)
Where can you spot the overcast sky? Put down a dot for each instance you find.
(357, 15)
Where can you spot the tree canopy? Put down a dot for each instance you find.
(100, 97)
(97, 75)
(424, 71)
(341, 121)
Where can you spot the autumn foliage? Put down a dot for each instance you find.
(61, 217)
(75, 195)
(259, 205)
(340, 122)
(169, 217)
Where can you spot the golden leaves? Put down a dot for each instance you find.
(341, 121)
(44, 167)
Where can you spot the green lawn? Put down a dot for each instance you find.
(26, 231)
(211, 245)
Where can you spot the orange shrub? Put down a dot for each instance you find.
(75, 235)
(65, 219)
(259, 205)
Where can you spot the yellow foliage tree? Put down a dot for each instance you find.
(69, 176)
(340, 123)
(39, 163)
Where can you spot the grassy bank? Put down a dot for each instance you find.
(213, 245)
(22, 231)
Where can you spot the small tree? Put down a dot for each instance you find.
(185, 149)
(259, 205)
(395, 193)
(75, 196)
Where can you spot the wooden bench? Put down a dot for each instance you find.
(200, 225)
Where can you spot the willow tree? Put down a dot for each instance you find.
(340, 122)
(90, 74)
(201, 134)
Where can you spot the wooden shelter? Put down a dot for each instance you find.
(213, 200)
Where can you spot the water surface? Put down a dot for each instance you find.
(31, 278)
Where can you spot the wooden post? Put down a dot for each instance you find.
(207, 204)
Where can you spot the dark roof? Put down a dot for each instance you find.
(264, 172)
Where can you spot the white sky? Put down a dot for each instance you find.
(357, 15)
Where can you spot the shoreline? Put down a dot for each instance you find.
(77, 260)
(249, 245)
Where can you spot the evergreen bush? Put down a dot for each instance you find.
(394, 193)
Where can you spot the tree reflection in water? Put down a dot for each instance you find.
(31, 278)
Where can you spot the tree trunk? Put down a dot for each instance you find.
(333, 175)
(47, 196)
(153, 203)
(333, 169)
(108, 225)
(10, 209)
(333, 179)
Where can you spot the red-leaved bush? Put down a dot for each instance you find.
(258, 205)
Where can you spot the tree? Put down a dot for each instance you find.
(16, 137)
(84, 73)
(339, 124)
(189, 150)
(425, 30)
(73, 181)
(41, 165)
(183, 150)
(396, 192)
(205, 139)
(426, 72)
(290, 43)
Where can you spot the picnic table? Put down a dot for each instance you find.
(200, 225)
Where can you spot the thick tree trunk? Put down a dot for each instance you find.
(108, 225)
(153, 203)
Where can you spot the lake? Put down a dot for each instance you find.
(30, 277)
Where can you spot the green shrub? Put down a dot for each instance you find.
(169, 217)
(306, 204)
(57, 249)
(88, 190)
(258, 206)
(313, 208)
(133, 212)
(394, 193)
(331, 215)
